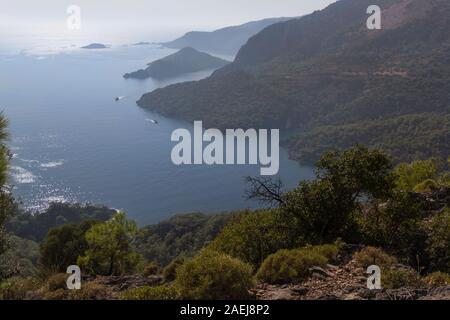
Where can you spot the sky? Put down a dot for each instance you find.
(120, 16)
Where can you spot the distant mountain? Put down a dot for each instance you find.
(226, 41)
(328, 81)
(95, 46)
(184, 61)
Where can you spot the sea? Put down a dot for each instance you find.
(72, 142)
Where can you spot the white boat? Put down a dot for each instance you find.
(152, 121)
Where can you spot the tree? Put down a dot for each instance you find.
(63, 245)
(358, 172)
(252, 236)
(265, 190)
(6, 201)
(439, 242)
(325, 209)
(110, 249)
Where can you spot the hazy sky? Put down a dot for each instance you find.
(108, 16)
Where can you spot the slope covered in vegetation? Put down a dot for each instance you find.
(325, 74)
(315, 242)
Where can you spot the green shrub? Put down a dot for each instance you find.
(57, 281)
(438, 244)
(290, 265)
(150, 269)
(214, 276)
(410, 175)
(444, 179)
(397, 226)
(373, 256)
(400, 278)
(329, 251)
(252, 236)
(428, 185)
(17, 288)
(170, 271)
(150, 293)
(438, 279)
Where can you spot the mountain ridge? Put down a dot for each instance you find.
(328, 70)
(226, 40)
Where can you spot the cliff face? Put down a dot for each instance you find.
(324, 72)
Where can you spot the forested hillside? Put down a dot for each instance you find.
(326, 78)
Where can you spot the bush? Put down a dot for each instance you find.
(150, 269)
(410, 175)
(150, 293)
(17, 288)
(170, 271)
(438, 244)
(400, 278)
(214, 276)
(57, 281)
(90, 291)
(373, 256)
(290, 265)
(329, 251)
(438, 279)
(428, 185)
(398, 227)
(444, 179)
(252, 236)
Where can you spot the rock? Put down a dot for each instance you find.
(332, 267)
(318, 276)
(282, 294)
(321, 271)
(300, 290)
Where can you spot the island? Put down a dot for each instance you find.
(95, 46)
(186, 60)
(142, 43)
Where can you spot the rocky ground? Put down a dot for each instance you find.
(347, 282)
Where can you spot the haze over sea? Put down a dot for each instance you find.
(72, 142)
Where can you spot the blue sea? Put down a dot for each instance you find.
(72, 142)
